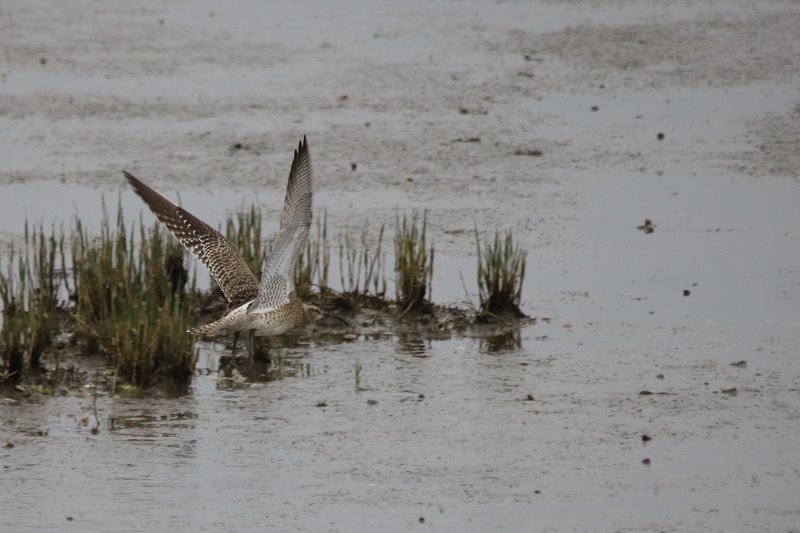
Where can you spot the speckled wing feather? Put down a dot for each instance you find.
(277, 280)
(222, 260)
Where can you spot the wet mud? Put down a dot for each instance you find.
(662, 393)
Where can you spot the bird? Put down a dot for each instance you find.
(266, 308)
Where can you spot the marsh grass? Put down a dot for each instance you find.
(126, 292)
(29, 291)
(313, 265)
(413, 263)
(361, 263)
(132, 301)
(243, 230)
(501, 271)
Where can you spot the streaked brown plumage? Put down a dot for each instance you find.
(270, 307)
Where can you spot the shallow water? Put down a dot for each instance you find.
(402, 431)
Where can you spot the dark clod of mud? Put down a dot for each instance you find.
(740, 364)
(647, 226)
(475, 111)
(660, 136)
(686, 292)
(646, 462)
(646, 438)
(530, 153)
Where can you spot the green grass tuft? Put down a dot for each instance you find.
(243, 230)
(361, 263)
(413, 263)
(313, 265)
(29, 290)
(501, 271)
(132, 302)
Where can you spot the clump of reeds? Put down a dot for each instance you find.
(314, 263)
(131, 301)
(29, 290)
(243, 230)
(361, 263)
(413, 263)
(501, 271)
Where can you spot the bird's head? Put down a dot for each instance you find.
(314, 313)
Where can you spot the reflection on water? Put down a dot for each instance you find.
(413, 344)
(499, 343)
(217, 370)
(148, 419)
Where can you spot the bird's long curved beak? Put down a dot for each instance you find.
(340, 319)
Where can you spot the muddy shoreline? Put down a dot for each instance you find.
(568, 122)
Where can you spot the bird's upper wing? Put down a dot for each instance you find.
(222, 260)
(295, 225)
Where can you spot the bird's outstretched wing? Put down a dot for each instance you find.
(295, 224)
(222, 260)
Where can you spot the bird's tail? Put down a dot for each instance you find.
(224, 326)
(209, 330)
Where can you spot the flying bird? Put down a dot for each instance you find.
(272, 306)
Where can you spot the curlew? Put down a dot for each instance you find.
(272, 306)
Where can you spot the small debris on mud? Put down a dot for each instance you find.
(42, 60)
(321, 404)
(529, 398)
(595, 108)
(645, 393)
(647, 227)
(660, 136)
(686, 292)
(353, 166)
(646, 462)
(732, 391)
(475, 111)
(372, 402)
(421, 519)
(646, 438)
(659, 376)
(740, 364)
(468, 140)
(9, 444)
(530, 153)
